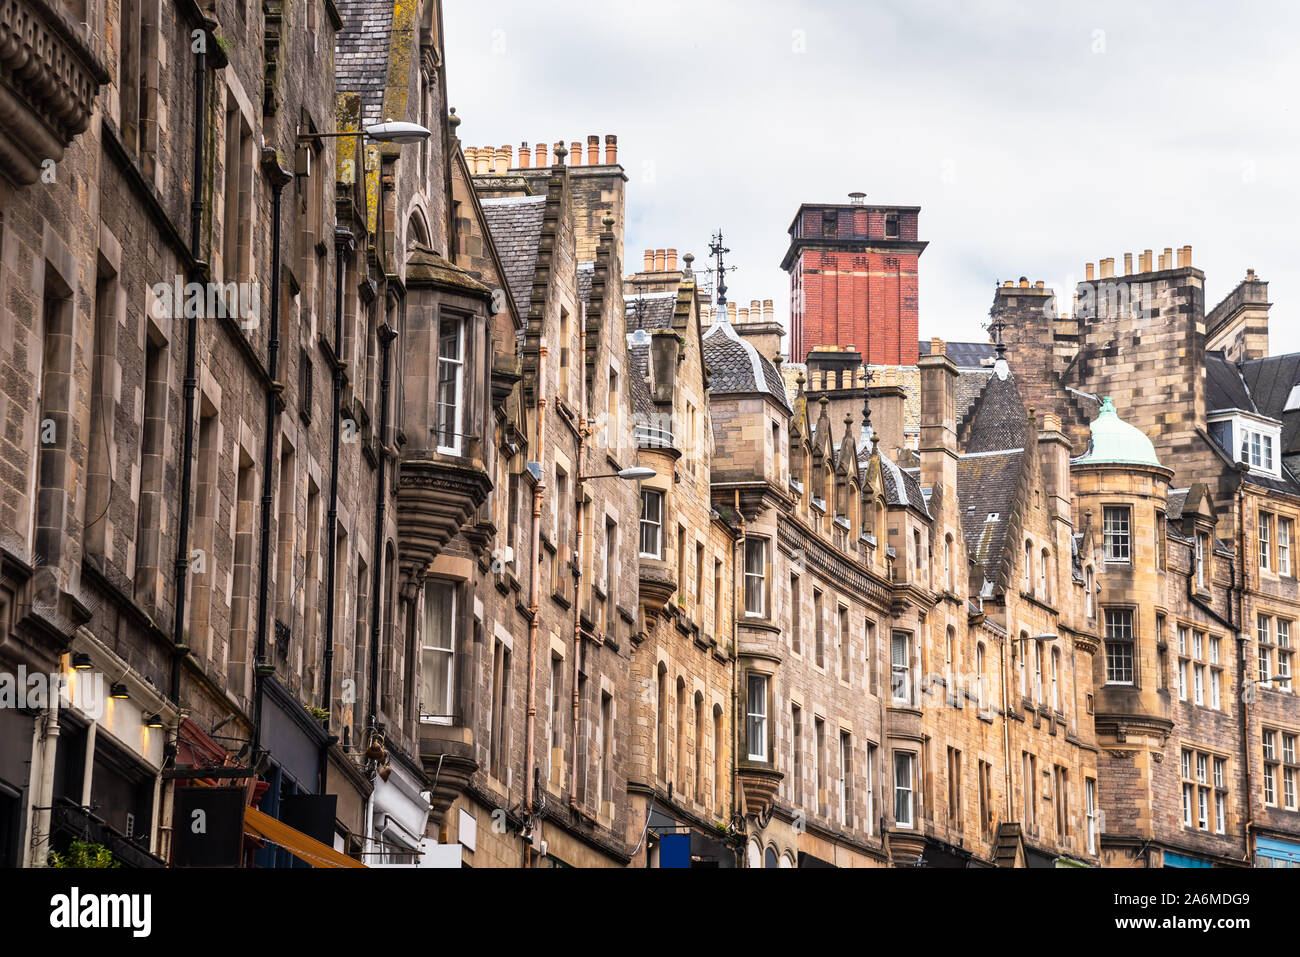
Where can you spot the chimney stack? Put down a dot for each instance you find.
(1054, 460)
(938, 444)
(611, 149)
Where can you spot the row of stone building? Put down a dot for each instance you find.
(359, 493)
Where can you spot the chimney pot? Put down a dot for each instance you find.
(501, 161)
(1008, 283)
(1038, 284)
(611, 149)
(659, 260)
(540, 159)
(743, 315)
(938, 347)
(1088, 272)
(670, 260)
(525, 157)
(649, 260)
(1128, 264)
(593, 150)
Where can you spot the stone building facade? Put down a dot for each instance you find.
(1199, 742)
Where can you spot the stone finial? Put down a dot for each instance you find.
(453, 120)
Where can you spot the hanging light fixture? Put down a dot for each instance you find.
(119, 691)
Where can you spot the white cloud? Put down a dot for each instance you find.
(1035, 137)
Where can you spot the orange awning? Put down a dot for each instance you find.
(306, 849)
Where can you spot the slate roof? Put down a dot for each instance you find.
(986, 486)
(1224, 386)
(965, 355)
(736, 366)
(638, 356)
(1174, 504)
(1000, 418)
(649, 312)
(970, 383)
(586, 274)
(515, 224)
(361, 52)
(1270, 382)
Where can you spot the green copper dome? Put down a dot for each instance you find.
(1115, 441)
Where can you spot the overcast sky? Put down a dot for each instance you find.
(1035, 137)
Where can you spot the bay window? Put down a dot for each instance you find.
(1117, 529)
(756, 577)
(451, 386)
(903, 761)
(652, 515)
(437, 673)
(756, 718)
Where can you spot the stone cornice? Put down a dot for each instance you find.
(49, 78)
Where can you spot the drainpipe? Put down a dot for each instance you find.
(1006, 722)
(1241, 666)
(39, 849)
(279, 177)
(386, 335)
(735, 656)
(534, 610)
(581, 489)
(180, 568)
(342, 246)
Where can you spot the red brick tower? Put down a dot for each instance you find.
(853, 280)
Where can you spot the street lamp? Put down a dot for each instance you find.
(390, 131)
(634, 474)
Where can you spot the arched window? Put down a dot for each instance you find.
(950, 660)
(1023, 644)
(661, 724)
(1038, 672)
(1028, 581)
(699, 747)
(1043, 582)
(681, 774)
(1056, 684)
(947, 563)
(769, 858)
(719, 757)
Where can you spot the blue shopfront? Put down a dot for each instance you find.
(1271, 852)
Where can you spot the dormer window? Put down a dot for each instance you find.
(1257, 450)
(1250, 439)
